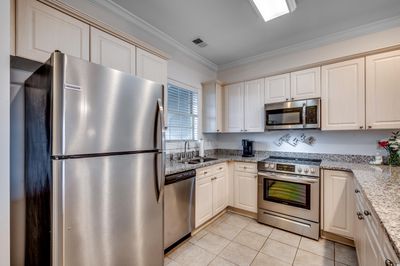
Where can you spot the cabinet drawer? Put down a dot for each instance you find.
(246, 167)
(219, 168)
(204, 172)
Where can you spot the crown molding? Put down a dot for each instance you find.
(325, 40)
(126, 14)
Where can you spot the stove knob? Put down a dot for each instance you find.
(272, 166)
(312, 170)
(299, 170)
(306, 171)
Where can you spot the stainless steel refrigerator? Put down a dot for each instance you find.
(94, 170)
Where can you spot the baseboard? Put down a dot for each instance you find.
(205, 224)
(337, 238)
(242, 212)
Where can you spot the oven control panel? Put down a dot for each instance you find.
(300, 169)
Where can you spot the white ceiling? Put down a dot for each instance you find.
(234, 31)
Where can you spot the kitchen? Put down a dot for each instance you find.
(270, 132)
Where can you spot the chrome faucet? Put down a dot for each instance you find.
(186, 147)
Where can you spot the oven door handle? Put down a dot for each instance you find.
(297, 179)
(304, 114)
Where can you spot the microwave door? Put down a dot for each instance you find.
(282, 118)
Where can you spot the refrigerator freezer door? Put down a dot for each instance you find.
(111, 212)
(104, 110)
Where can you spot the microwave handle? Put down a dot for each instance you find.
(304, 115)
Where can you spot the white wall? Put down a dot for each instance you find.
(4, 132)
(339, 142)
(282, 63)
(181, 67)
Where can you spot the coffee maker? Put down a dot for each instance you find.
(247, 148)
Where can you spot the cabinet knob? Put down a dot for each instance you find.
(217, 130)
(205, 172)
(245, 130)
(389, 262)
(357, 191)
(367, 213)
(361, 127)
(360, 216)
(292, 99)
(255, 176)
(369, 126)
(287, 99)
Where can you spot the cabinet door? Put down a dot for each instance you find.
(254, 106)
(343, 95)
(220, 199)
(372, 252)
(212, 107)
(245, 191)
(41, 30)
(306, 84)
(338, 203)
(204, 202)
(277, 88)
(151, 67)
(234, 114)
(110, 51)
(383, 93)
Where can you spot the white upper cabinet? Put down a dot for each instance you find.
(383, 90)
(154, 68)
(254, 106)
(41, 30)
(110, 51)
(343, 95)
(277, 88)
(306, 84)
(151, 67)
(212, 107)
(234, 112)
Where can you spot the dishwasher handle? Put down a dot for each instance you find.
(170, 179)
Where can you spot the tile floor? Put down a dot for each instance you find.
(238, 240)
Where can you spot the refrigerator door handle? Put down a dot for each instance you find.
(160, 173)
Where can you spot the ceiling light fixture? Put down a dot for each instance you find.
(270, 9)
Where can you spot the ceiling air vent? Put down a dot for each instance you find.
(199, 42)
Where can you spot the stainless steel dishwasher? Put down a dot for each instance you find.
(179, 203)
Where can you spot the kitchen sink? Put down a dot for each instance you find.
(201, 160)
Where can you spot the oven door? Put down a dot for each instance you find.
(292, 195)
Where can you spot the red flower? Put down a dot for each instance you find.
(383, 143)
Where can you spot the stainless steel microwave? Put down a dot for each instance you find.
(301, 114)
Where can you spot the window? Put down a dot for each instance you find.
(182, 114)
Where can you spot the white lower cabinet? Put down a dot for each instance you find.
(245, 186)
(204, 200)
(372, 245)
(211, 192)
(338, 203)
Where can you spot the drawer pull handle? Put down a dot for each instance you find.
(360, 216)
(389, 262)
(357, 191)
(367, 213)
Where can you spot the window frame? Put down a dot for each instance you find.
(194, 90)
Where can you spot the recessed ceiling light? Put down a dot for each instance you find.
(270, 9)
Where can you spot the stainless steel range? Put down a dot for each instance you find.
(289, 194)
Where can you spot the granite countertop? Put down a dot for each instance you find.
(173, 167)
(379, 184)
(381, 187)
